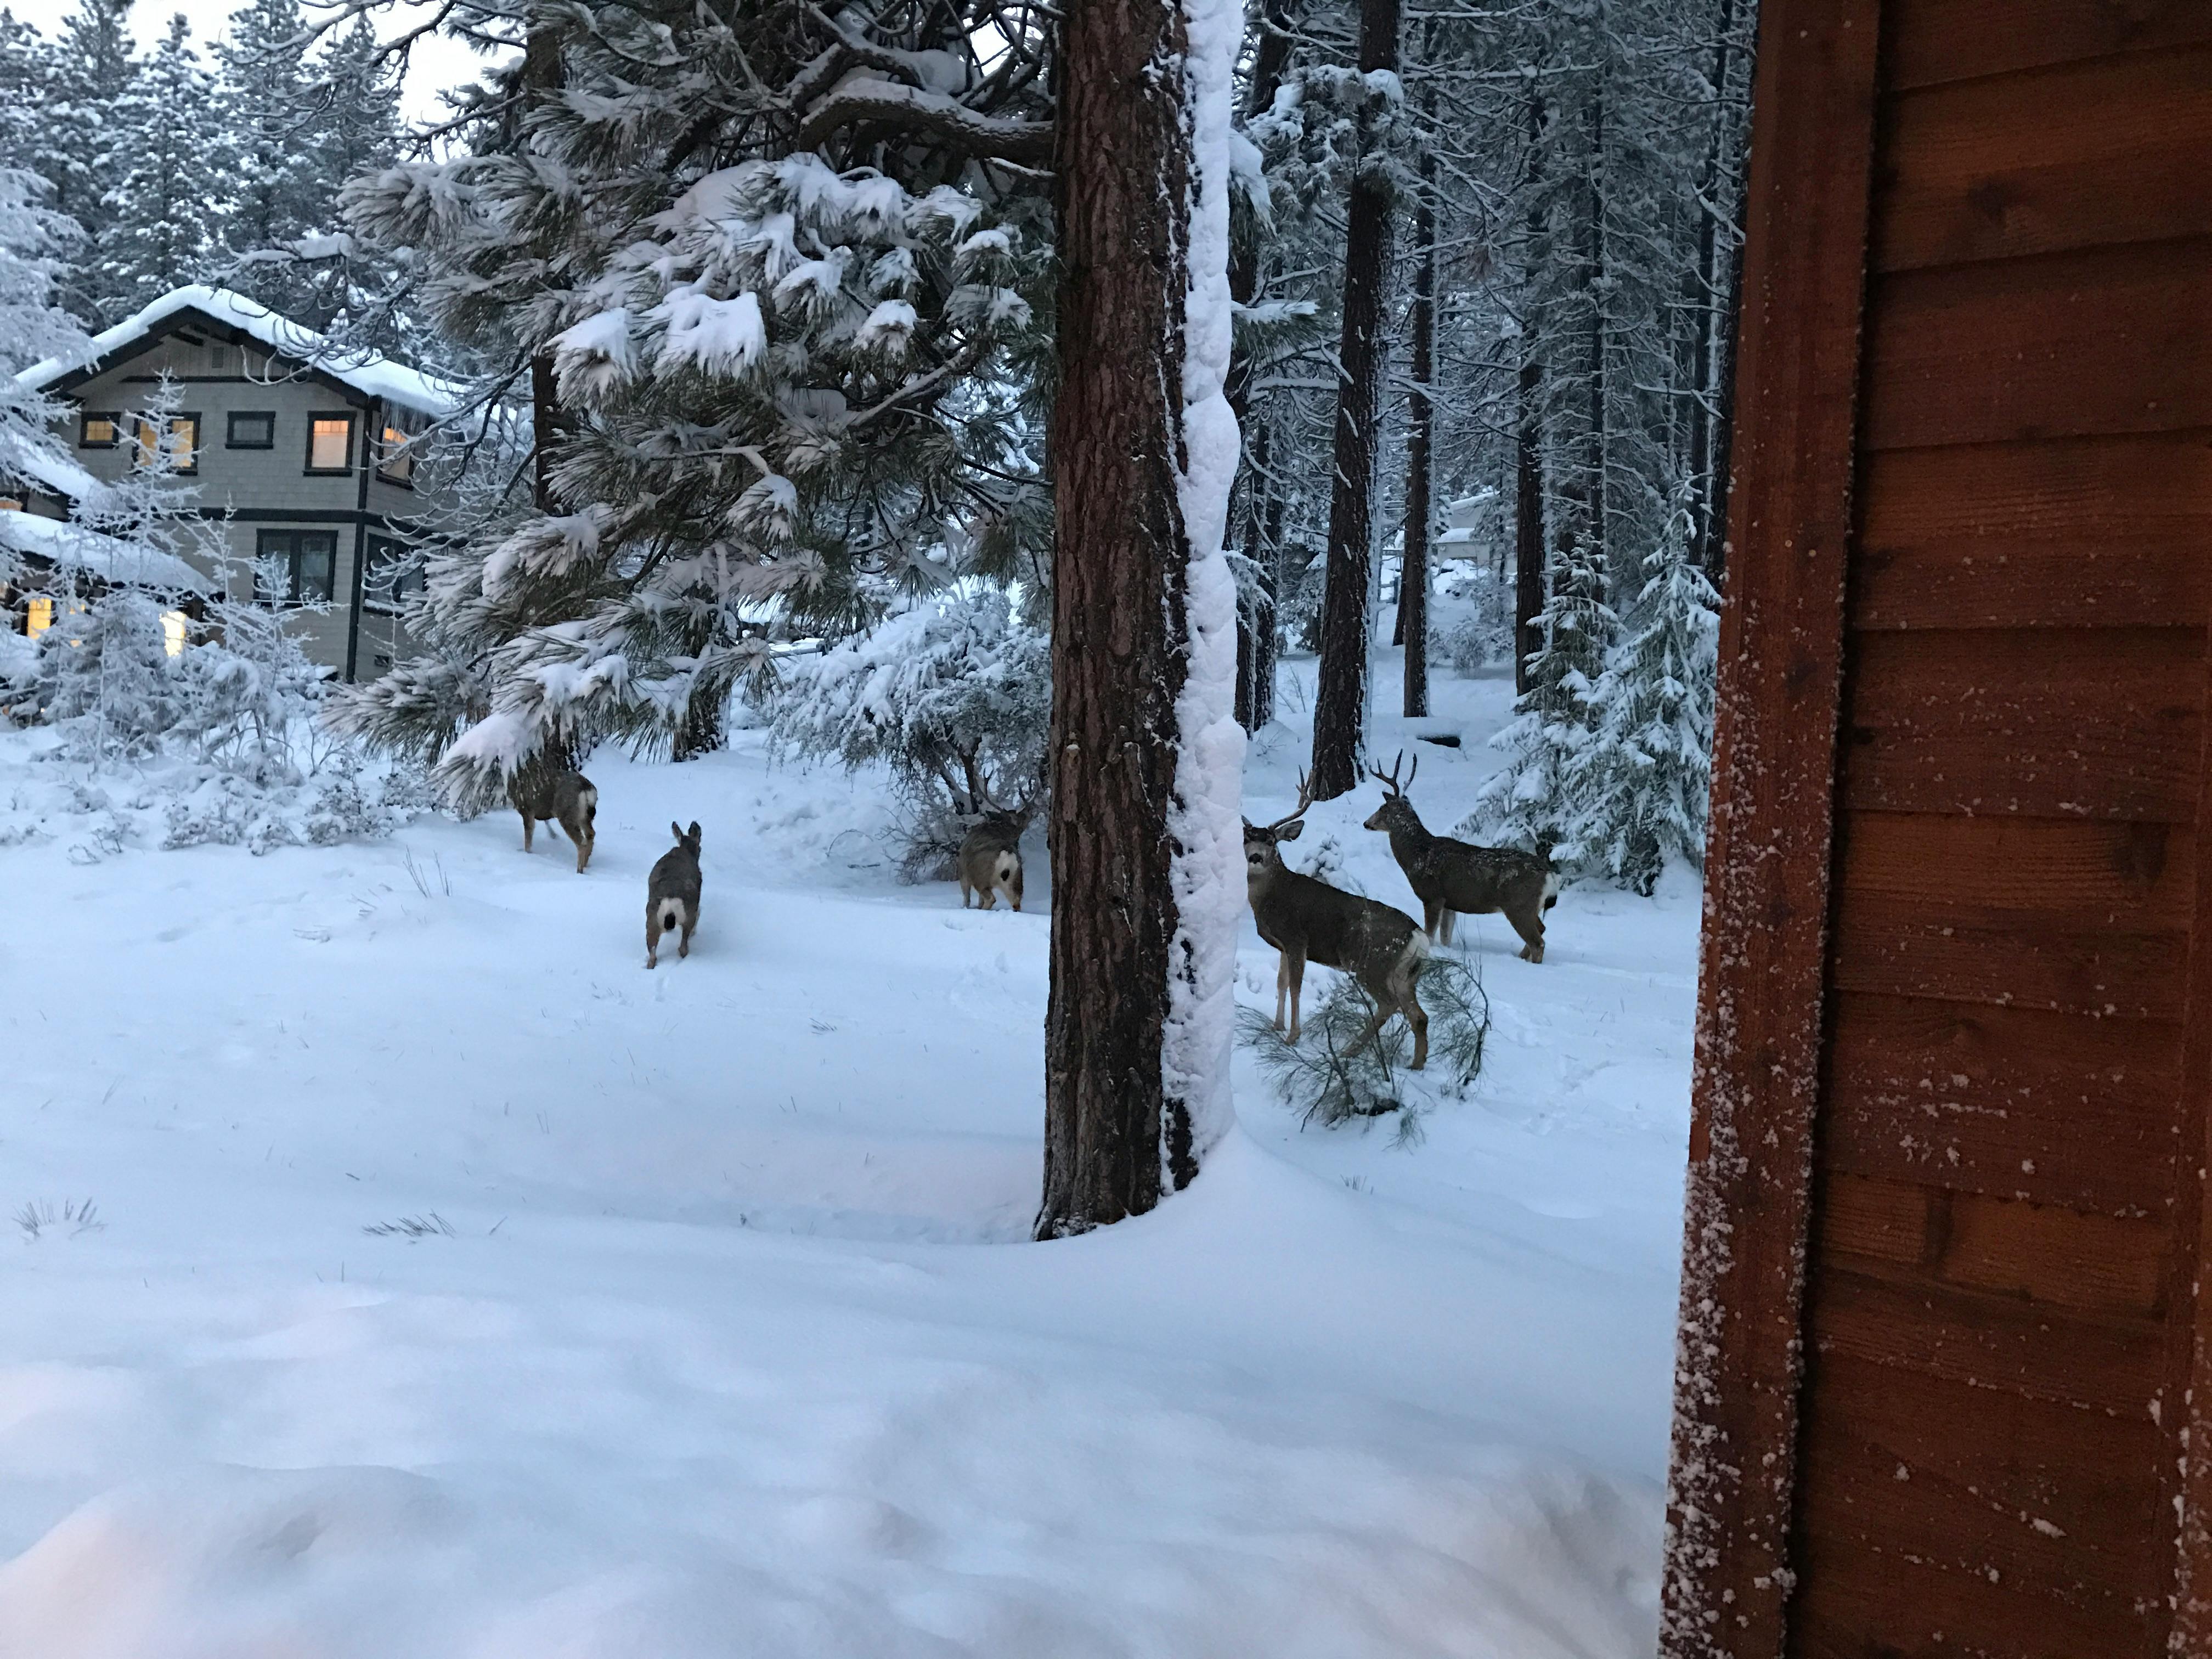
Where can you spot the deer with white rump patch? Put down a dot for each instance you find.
(1307, 920)
(671, 895)
(990, 858)
(1457, 876)
(564, 798)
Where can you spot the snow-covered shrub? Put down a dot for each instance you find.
(1325, 1082)
(102, 676)
(952, 694)
(1471, 619)
(244, 698)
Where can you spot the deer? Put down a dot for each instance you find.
(990, 857)
(568, 799)
(671, 895)
(1457, 876)
(1306, 920)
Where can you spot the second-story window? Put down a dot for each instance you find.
(251, 429)
(395, 452)
(294, 566)
(177, 441)
(329, 443)
(98, 432)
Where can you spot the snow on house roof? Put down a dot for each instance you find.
(369, 373)
(71, 546)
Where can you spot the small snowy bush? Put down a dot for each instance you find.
(1324, 1081)
(952, 694)
(102, 676)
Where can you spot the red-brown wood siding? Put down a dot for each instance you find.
(1968, 1254)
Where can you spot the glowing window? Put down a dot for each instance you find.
(396, 461)
(173, 624)
(37, 617)
(98, 432)
(329, 443)
(178, 439)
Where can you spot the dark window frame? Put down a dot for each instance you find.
(290, 545)
(352, 418)
(380, 550)
(232, 441)
(84, 420)
(199, 423)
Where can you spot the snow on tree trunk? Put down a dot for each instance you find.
(1341, 701)
(1421, 418)
(1147, 756)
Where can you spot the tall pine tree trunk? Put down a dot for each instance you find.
(1256, 632)
(1256, 645)
(1527, 516)
(541, 79)
(1143, 831)
(1341, 703)
(1420, 420)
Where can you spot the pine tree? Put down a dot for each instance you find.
(774, 356)
(1640, 783)
(172, 164)
(81, 80)
(279, 193)
(31, 327)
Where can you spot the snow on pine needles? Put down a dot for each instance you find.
(459, 1288)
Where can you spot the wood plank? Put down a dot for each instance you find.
(2060, 1503)
(2070, 872)
(2042, 1253)
(2015, 958)
(2053, 1108)
(2109, 340)
(1931, 41)
(2075, 155)
(2048, 723)
(2003, 1344)
(1748, 1192)
(2111, 532)
(1858, 1600)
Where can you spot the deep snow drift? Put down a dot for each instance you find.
(724, 1338)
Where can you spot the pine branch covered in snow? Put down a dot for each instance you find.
(790, 367)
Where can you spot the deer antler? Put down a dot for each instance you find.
(1389, 781)
(1306, 800)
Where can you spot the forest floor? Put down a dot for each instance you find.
(722, 1335)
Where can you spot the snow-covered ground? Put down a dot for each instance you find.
(727, 1339)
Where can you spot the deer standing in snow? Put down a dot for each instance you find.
(990, 858)
(1308, 921)
(1457, 876)
(671, 895)
(567, 798)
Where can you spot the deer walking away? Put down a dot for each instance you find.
(1458, 877)
(567, 798)
(671, 895)
(990, 858)
(1306, 920)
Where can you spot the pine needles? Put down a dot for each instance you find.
(1325, 1082)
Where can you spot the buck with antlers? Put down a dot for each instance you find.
(1308, 920)
(1457, 876)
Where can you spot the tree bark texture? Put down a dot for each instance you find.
(1420, 422)
(1528, 519)
(1341, 701)
(1120, 622)
(541, 79)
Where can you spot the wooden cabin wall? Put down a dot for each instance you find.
(1998, 1305)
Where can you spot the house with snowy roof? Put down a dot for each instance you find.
(307, 453)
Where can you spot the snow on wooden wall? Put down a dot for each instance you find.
(1941, 1308)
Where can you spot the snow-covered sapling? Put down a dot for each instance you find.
(671, 895)
(1308, 920)
(1457, 877)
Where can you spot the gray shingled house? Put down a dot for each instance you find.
(304, 452)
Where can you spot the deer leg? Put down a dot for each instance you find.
(1451, 921)
(1433, 915)
(582, 837)
(683, 942)
(651, 939)
(1530, 927)
(1406, 986)
(529, 830)
(1297, 967)
(1282, 985)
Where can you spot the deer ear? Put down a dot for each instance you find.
(692, 834)
(674, 831)
(1292, 830)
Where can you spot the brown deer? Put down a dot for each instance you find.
(671, 895)
(1308, 920)
(567, 798)
(990, 858)
(1457, 876)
